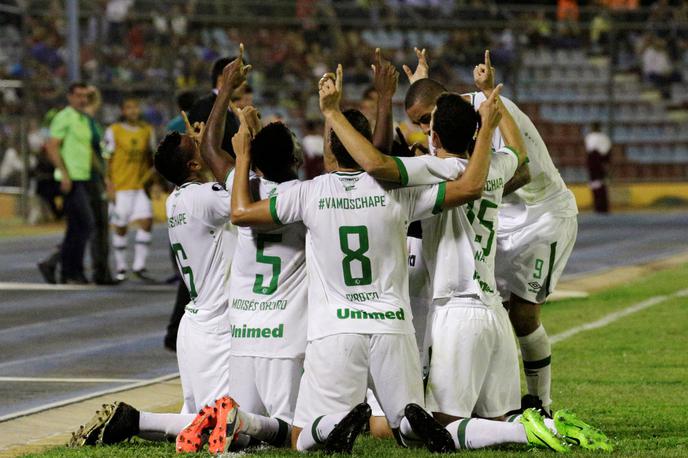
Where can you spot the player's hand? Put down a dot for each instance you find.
(241, 143)
(250, 117)
(195, 131)
(422, 70)
(65, 184)
(385, 76)
(484, 75)
(234, 74)
(330, 91)
(490, 109)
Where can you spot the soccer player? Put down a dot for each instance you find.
(537, 231)
(267, 287)
(130, 144)
(359, 317)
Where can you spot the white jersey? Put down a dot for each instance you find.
(196, 214)
(546, 192)
(459, 245)
(357, 262)
(268, 285)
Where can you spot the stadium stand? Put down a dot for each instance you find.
(565, 74)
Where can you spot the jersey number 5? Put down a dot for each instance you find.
(180, 254)
(274, 261)
(350, 255)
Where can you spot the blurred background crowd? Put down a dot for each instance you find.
(568, 63)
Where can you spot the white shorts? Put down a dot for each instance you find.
(420, 294)
(266, 386)
(203, 359)
(131, 205)
(338, 370)
(375, 406)
(530, 260)
(473, 361)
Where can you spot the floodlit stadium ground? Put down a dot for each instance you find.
(627, 374)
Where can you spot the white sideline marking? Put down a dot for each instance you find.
(85, 397)
(612, 317)
(70, 380)
(21, 286)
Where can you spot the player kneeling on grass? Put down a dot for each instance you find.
(130, 144)
(360, 330)
(267, 292)
(473, 366)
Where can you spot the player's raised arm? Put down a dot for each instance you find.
(245, 212)
(219, 161)
(385, 78)
(469, 186)
(378, 165)
(511, 133)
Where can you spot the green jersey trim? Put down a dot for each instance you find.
(229, 172)
(403, 174)
(439, 201)
(513, 150)
(273, 210)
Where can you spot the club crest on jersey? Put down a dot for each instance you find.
(218, 187)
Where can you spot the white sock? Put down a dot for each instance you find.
(119, 243)
(548, 422)
(408, 437)
(158, 426)
(537, 353)
(314, 434)
(271, 430)
(473, 433)
(141, 249)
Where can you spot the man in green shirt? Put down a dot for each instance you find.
(70, 150)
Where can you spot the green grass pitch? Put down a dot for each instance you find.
(630, 378)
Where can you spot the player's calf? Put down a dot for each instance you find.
(334, 433)
(234, 426)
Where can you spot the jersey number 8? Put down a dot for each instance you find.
(350, 255)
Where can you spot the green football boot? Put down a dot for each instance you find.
(539, 434)
(577, 432)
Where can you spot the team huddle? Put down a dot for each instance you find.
(388, 293)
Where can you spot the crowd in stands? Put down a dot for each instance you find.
(158, 49)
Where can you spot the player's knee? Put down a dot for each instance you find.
(524, 315)
(379, 428)
(121, 230)
(146, 224)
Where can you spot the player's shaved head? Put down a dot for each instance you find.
(274, 152)
(455, 122)
(425, 91)
(362, 126)
(172, 157)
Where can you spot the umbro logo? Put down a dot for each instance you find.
(535, 285)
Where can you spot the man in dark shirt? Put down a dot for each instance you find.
(200, 111)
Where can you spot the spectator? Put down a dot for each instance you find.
(313, 145)
(657, 68)
(598, 145)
